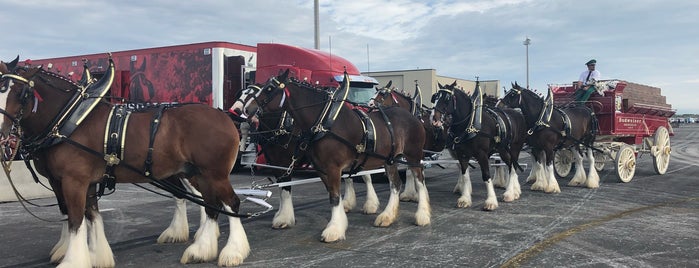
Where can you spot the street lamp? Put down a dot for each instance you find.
(526, 43)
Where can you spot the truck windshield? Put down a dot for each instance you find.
(361, 93)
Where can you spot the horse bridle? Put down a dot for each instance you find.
(270, 86)
(449, 97)
(27, 89)
(520, 92)
(384, 92)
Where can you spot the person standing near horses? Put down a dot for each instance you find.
(585, 84)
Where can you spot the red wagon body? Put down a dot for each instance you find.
(633, 118)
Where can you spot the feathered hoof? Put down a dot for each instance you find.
(348, 205)
(384, 220)
(490, 206)
(172, 236)
(552, 190)
(330, 235)
(370, 208)
(197, 254)
(575, 183)
(230, 257)
(280, 225)
(422, 219)
(509, 197)
(229, 261)
(463, 202)
(537, 187)
(592, 186)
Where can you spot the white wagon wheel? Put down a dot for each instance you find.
(661, 150)
(625, 163)
(563, 162)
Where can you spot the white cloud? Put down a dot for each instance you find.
(402, 19)
(651, 41)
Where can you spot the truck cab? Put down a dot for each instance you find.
(361, 89)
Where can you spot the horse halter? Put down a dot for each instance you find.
(27, 89)
(516, 91)
(271, 88)
(447, 95)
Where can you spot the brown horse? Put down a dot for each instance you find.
(278, 139)
(178, 231)
(335, 138)
(551, 129)
(35, 101)
(478, 134)
(435, 137)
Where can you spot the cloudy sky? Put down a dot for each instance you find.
(652, 42)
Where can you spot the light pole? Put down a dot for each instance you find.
(316, 24)
(526, 44)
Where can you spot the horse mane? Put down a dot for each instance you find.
(307, 85)
(67, 86)
(529, 92)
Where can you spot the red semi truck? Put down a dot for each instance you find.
(210, 72)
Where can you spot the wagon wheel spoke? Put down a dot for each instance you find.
(625, 163)
(661, 150)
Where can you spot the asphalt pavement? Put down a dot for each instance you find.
(652, 221)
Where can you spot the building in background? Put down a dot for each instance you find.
(427, 79)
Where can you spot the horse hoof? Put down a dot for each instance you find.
(422, 220)
(574, 183)
(536, 187)
(552, 190)
(230, 261)
(383, 221)
(490, 207)
(280, 226)
(230, 257)
(370, 209)
(330, 238)
(463, 203)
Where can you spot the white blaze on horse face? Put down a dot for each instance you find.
(436, 122)
(3, 101)
(248, 97)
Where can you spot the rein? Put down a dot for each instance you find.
(7, 168)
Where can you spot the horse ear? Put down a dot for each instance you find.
(389, 83)
(439, 85)
(453, 84)
(11, 66)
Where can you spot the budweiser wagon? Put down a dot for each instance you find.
(633, 121)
